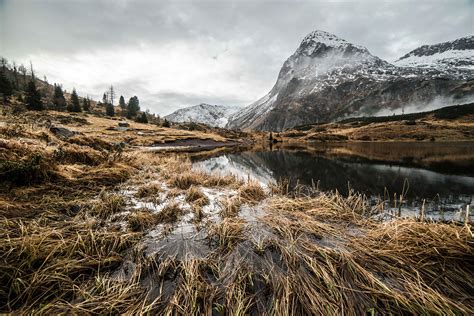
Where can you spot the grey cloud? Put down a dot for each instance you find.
(260, 34)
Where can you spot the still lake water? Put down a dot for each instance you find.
(441, 173)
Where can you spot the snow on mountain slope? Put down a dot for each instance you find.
(212, 115)
(322, 60)
(328, 78)
(443, 56)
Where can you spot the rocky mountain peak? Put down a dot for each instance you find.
(210, 114)
(328, 78)
(318, 43)
(447, 56)
(464, 43)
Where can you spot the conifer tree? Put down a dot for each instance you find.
(23, 71)
(111, 94)
(109, 109)
(69, 107)
(4, 63)
(6, 88)
(58, 99)
(75, 106)
(133, 107)
(166, 123)
(86, 104)
(123, 105)
(15, 76)
(142, 118)
(33, 97)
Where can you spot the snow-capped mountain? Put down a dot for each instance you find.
(447, 56)
(328, 78)
(212, 115)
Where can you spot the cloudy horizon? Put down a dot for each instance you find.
(173, 54)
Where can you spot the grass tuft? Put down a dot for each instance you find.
(108, 204)
(252, 192)
(196, 196)
(142, 219)
(149, 190)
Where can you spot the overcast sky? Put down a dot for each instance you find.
(173, 54)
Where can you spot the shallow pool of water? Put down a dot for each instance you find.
(441, 173)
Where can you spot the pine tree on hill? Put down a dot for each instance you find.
(109, 109)
(166, 123)
(58, 99)
(133, 107)
(142, 118)
(123, 105)
(111, 94)
(33, 97)
(15, 76)
(4, 63)
(76, 107)
(6, 88)
(86, 104)
(23, 71)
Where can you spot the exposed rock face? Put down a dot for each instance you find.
(328, 78)
(447, 56)
(62, 132)
(212, 115)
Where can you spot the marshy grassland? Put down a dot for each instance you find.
(87, 227)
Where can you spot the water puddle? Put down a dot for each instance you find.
(440, 174)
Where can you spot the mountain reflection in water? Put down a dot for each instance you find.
(437, 171)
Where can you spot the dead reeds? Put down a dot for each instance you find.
(170, 213)
(141, 219)
(196, 196)
(108, 204)
(43, 259)
(149, 190)
(252, 192)
(230, 207)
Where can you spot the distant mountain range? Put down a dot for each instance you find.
(212, 115)
(328, 78)
(448, 56)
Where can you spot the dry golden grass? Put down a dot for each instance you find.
(218, 180)
(427, 129)
(252, 192)
(186, 179)
(170, 213)
(108, 205)
(196, 196)
(191, 177)
(142, 219)
(149, 190)
(230, 207)
(307, 254)
(227, 233)
(319, 255)
(42, 259)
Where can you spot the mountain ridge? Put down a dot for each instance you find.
(458, 53)
(209, 114)
(328, 78)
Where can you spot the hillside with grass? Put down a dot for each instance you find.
(452, 123)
